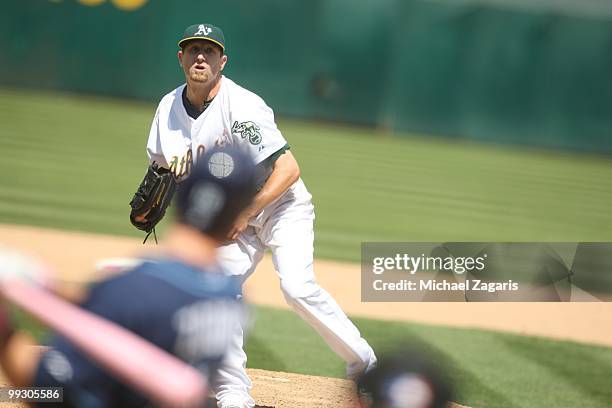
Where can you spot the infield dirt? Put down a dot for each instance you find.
(73, 255)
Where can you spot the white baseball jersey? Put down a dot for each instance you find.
(235, 116)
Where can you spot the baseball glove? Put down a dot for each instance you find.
(151, 199)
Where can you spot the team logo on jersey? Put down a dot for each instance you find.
(203, 30)
(247, 130)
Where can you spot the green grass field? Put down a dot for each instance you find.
(488, 369)
(74, 162)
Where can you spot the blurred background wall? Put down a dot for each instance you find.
(529, 72)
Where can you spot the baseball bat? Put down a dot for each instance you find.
(154, 372)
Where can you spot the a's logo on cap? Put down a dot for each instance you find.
(203, 30)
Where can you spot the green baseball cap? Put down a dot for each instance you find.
(203, 32)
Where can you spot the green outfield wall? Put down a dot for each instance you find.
(462, 69)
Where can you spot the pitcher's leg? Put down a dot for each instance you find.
(233, 384)
(292, 249)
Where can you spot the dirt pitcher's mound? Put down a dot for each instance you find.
(278, 389)
(284, 390)
(287, 390)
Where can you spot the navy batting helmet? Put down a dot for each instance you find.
(220, 186)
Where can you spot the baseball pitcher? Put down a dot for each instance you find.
(211, 110)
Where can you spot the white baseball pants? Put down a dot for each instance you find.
(286, 228)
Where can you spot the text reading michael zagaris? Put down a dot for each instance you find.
(445, 286)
